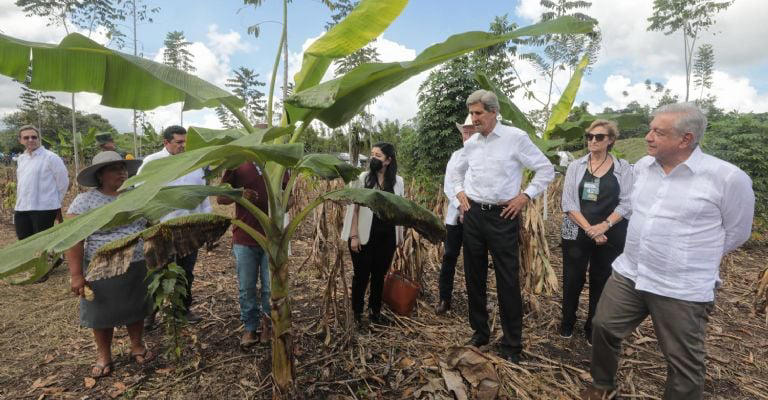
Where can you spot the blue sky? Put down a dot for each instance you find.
(629, 54)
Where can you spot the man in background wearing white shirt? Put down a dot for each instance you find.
(174, 142)
(42, 182)
(489, 175)
(454, 225)
(688, 210)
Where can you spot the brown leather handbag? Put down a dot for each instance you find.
(400, 293)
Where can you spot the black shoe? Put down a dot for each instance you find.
(442, 307)
(477, 341)
(566, 331)
(513, 358)
(589, 340)
(378, 319)
(193, 318)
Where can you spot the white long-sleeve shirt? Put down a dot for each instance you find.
(196, 177)
(42, 181)
(490, 170)
(452, 208)
(683, 223)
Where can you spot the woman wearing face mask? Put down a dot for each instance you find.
(596, 203)
(371, 241)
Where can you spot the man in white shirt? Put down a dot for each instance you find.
(42, 181)
(454, 225)
(488, 178)
(688, 210)
(174, 142)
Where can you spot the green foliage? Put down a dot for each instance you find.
(176, 54)
(703, 66)
(8, 191)
(742, 139)
(166, 290)
(245, 84)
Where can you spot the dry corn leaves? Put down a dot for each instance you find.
(475, 368)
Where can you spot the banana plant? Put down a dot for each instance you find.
(124, 81)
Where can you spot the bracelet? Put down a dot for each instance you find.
(353, 237)
(610, 225)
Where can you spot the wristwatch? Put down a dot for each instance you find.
(610, 225)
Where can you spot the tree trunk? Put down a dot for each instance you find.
(135, 53)
(283, 367)
(74, 139)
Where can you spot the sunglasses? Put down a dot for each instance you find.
(29, 137)
(598, 137)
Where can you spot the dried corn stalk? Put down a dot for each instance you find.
(761, 298)
(536, 271)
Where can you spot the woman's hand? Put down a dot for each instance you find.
(595, 231)
(601, 240)
(354, 244)
(77, 285)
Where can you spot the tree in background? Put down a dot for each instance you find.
(178, 56)
(34, 103)
(703, 66)
(558, 52)
(689, 16)
(245, 85)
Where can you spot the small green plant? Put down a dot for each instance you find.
(167, 289)
(9, 195)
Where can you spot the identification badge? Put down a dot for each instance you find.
(591, 190)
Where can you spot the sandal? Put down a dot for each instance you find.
(102, 370)
(143, 357)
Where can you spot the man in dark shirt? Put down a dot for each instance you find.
(251, 260)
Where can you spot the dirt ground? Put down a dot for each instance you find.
(44, 354)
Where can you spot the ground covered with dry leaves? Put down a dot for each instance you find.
(44, 354)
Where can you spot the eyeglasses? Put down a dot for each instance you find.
(598, 137)
(29, 137)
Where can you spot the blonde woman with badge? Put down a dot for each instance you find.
(596, 206)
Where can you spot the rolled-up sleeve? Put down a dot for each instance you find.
(532, 158)
(625, 189)
(570, 198)
(738, 207)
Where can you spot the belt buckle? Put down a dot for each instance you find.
(486, 207)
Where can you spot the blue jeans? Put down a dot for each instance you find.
(252, 262)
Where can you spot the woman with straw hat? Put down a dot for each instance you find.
(121, 300)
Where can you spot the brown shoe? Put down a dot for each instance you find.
(266, 329)
(249, 339)
(442, 307)
(593, 393)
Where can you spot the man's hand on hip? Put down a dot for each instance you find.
(514, 206)
(463, 201)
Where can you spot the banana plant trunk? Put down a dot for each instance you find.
(283, 367)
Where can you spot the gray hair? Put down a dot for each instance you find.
(691, 119)
(28, 128)
(488, 98)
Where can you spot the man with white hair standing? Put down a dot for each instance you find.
(488, 178)
(688, 210)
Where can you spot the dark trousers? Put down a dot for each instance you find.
(372, 263)
(681, 329)
(453, 239)
(187, 263)
(27, 223)
(484, 231)
(583, 252)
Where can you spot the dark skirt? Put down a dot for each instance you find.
(120, 300)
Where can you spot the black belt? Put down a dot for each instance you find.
(488, 207)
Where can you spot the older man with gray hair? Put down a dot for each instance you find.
(487, 181)
(688, 210)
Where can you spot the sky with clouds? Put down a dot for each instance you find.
(629, 54)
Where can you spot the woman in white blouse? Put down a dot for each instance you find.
(372, 242)
(596, 203)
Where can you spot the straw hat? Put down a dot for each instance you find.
(87, 177)
(467, 122)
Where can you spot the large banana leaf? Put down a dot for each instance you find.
(335, 102)
(562, 109)
(393, 209)
(575, 130)
(172, 198)
(198, 137)
(509, 110)
(327, 166)
(366, 22)
(79, 64)
(162, 243)
(131, 203)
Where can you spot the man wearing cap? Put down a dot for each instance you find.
(107, 143)
(174, 142)
(453, 223)
(488, 178)
(42, 181)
